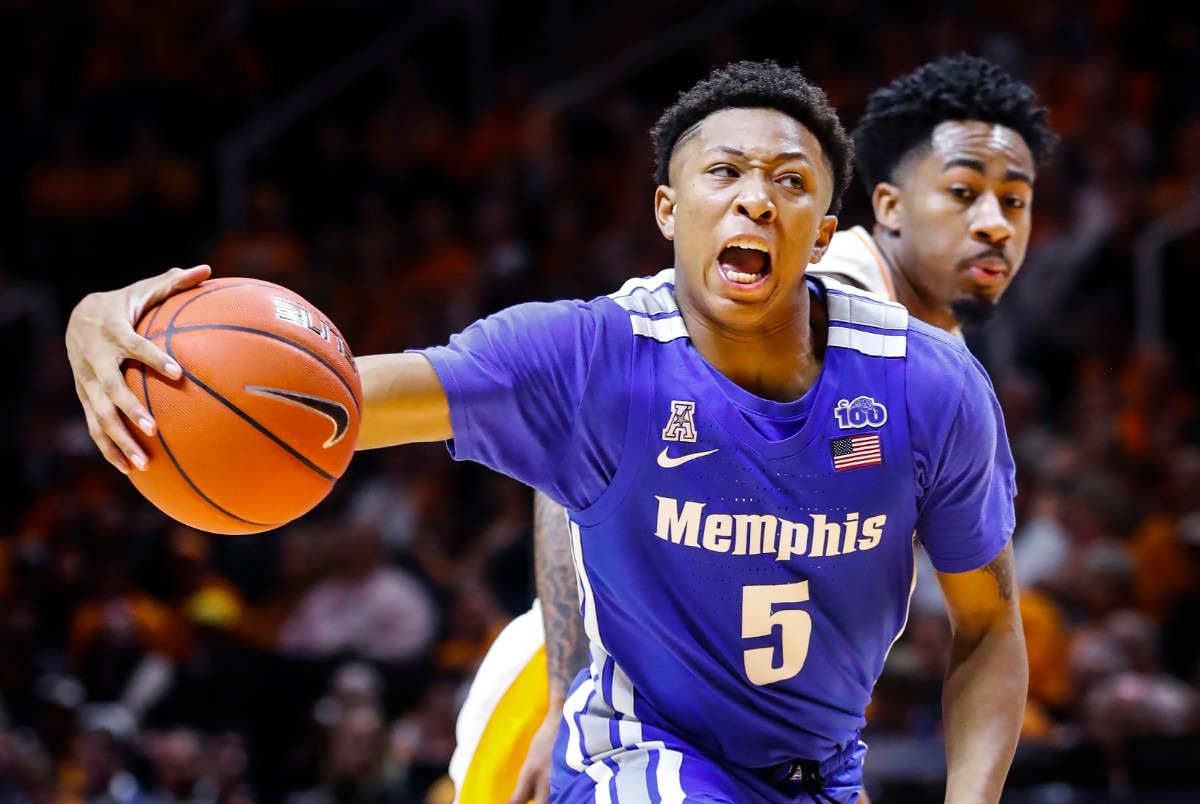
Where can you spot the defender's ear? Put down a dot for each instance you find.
(664, 210)
(887, 201)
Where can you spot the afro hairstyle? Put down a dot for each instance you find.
(757, 85)
(900, 117)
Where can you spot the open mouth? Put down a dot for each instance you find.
(744, 261)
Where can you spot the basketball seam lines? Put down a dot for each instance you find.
(171, 455)
(244, 416)
(260, 428)
(173, 330)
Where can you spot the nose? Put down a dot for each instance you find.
(989, 224)
(754, 201)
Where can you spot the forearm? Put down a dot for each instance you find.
(983, 703)
(403, 401)
(566, 643)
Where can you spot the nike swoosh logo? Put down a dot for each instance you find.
(336, 412)
(667, 462)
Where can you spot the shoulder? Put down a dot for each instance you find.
(539, 314)
(838, 288)
(648, 307)
(932, 340)
(853, 246)
(547, 323)
(647, 295)
(947, 390)
(864, 321)
(938, 363)
(852, 258)
(525, 340)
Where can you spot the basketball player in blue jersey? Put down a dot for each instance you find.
(947, 156)
(744, 453)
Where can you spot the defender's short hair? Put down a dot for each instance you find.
(757, 85)
(900, 117)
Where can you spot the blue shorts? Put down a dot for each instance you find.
(647, 765)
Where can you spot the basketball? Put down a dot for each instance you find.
(265, 417)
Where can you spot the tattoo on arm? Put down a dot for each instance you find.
(1001, 567)
(566, 643)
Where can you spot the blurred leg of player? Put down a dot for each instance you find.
(505, 705)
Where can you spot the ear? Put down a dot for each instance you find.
(887, 200)
(825, 232)
(664, 210)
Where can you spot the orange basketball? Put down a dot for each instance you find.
(265, 417)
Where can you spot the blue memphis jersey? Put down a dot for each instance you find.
(744, 565)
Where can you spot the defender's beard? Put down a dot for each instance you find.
(973, 311)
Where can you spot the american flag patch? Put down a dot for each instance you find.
(852, 452)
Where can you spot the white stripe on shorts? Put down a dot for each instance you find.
(574, 704)
(602, 775)
(633, 784)
(622, 691)
(670, 763)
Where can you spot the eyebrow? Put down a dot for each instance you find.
(978, 166)
(785, 156)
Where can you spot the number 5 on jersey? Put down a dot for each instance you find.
(759, 618)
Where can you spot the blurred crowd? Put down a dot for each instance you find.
(144, 661)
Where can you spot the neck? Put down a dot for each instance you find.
(780, 363)
(918, 303)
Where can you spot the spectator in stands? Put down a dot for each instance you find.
(365, 607)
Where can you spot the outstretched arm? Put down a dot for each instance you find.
(983, 699)
(566, 643)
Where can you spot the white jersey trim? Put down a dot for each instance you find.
(647, 297)
(644, 298)
(662, 330)
(852, 306)
(872, 344)
(587, 601)
(650, 302)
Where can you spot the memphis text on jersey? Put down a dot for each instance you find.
(764, 534)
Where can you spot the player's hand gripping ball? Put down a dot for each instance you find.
(263, 420)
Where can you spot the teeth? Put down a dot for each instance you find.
(747, 242)
(742, 278)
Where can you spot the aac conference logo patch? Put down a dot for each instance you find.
(680, 427)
